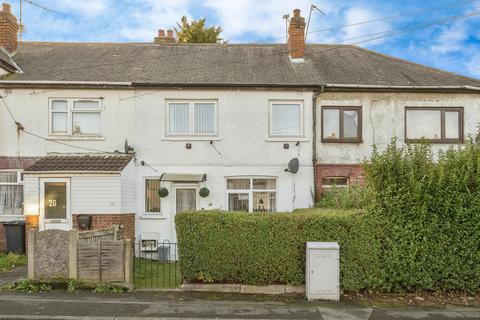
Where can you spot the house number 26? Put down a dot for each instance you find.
(52, 203)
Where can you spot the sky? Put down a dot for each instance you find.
(429, 32)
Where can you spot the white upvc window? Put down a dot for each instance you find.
(75, 117)
(11, 193)
(152, 199)
(192, 118)
(257, 194)
(286, 119)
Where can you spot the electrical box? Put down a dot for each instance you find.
(322, 274)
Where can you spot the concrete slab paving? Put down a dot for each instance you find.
(181, 305)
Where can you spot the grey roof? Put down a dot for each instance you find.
(222, 64)
(12, 162)
(7, 62)
(80, 163)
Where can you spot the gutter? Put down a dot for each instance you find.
(400, 88)
(67, 84)
(144, 85)
(73, 172)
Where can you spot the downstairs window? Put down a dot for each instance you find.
(252, 194)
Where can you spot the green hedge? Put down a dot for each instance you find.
(259, 249)
(429, 206)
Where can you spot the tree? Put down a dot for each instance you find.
(196, 32)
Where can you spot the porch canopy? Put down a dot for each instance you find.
(183, 177)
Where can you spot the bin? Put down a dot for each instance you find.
(15, 236)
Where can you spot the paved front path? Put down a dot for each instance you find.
(179, 305)
(12, 276)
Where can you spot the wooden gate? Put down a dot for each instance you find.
(101, 261)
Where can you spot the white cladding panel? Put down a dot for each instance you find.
(322, 272)
(129, 188)
(30, 195)
(96, 194)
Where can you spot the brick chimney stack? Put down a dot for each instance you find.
(296, 36)
(8, 29)
(162, 38)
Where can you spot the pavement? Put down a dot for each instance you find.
(188, 305)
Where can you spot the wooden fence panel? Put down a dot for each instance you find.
(88, 262)
(112, 257)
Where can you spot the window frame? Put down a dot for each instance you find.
(270, 117)
(145, 196)
(442, 139)
(251, 190)
(341, 138)
(191, 103)
(19, 182)
(70, 112)
(336, 186)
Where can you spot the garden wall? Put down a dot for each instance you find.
(58, 254)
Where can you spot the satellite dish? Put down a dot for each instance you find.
(128, 148)
(293, 165)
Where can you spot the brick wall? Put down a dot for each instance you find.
(101, 221)
(3, 244)
(354, 172)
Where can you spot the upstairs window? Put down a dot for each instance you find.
(286, 119)
(75, 117)
(436, 125)
(11, 193)
(192, 118)
(341, 124)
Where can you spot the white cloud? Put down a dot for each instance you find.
(260, 18)
(150, 15)
(451, 39)
(363, 32)
(86, 8)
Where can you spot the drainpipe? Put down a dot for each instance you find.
(316, 93)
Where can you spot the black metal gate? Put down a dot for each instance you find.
(156, 265)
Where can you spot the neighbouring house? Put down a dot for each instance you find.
(110, 124)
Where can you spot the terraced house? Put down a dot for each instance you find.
(99, 129)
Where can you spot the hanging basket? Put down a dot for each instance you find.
(163, 192)
(204, 192)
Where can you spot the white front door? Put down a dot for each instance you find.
(185, 200)
(55, 204)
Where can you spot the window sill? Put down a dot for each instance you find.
(192, 138)
(287, 139)
(152, 216)
(341, 142)
(77, 138)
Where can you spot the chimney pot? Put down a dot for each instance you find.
(162, 38)
(6, 8)
(296, 36)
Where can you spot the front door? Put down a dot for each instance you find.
(185, 200)
(55, 204)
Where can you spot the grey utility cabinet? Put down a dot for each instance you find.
(322, 274)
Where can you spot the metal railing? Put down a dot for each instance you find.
(156, 265)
